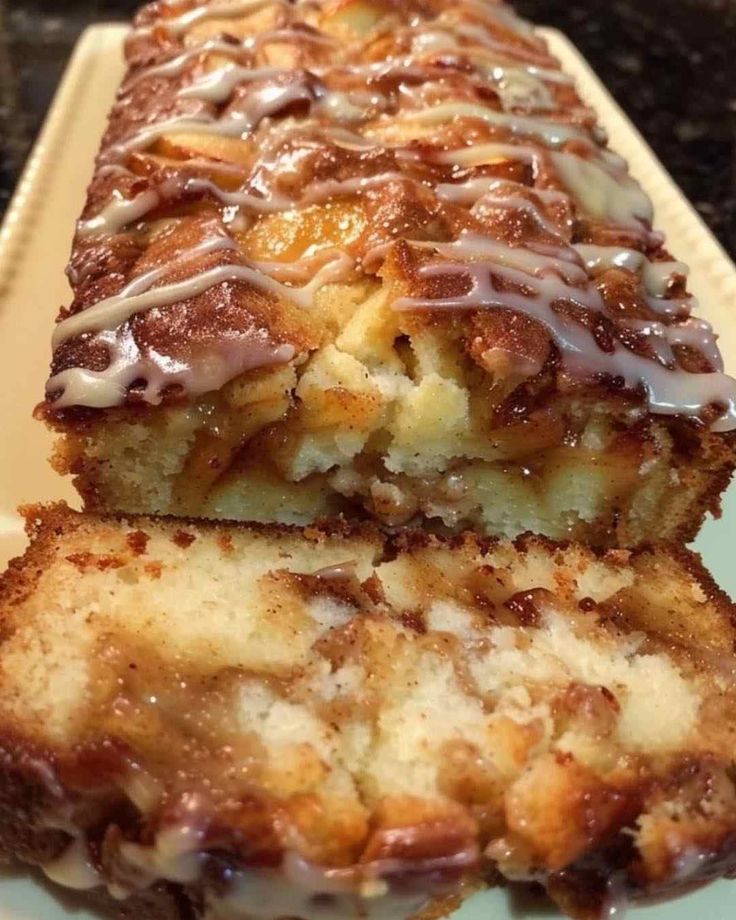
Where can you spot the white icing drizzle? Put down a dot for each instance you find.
(518, 86)
(482, 190)
(112, 169)
(550, 76)
(265, 101)
(271, 98)
(444, 38)
(519, 204)
(141, 295)
(73, 868)
(488, 43)
(176, 66)
(523, 205)
(657, 276)
(101, 389)
(601, 258)
(519, 89)
(79, 386)
(118, 213)
(181, 124)
(261, 103)
(226, 10)
(334, 265)
(141, 284)
(255, 203)
(669, 391)
(332, 188)
(218, 85)
(471, 245)
(550, 132)
(467, 192)
(416, 66)
(348, 107)
(614, 199)
(693, 332)
(177, 855)
(482, 154)
(297, 888)
(497, 13)
(287, 34)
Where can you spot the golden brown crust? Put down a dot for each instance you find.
(403, 206)
(44, 522)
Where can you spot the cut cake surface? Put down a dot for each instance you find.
(270, 722)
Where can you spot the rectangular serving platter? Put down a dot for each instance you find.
(35, 242)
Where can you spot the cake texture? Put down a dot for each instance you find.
(252, 721)
(375, 258)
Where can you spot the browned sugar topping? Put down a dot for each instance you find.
(262, 153)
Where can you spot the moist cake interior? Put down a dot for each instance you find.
(308, 723)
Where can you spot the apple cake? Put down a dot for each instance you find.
(251, 721)
(376, 259)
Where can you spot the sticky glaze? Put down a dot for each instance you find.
(218, 10)
(669, 389)
(103, 389)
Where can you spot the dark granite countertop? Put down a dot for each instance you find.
(671, 64)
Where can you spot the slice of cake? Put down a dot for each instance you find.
(375, 258)
(264, 722)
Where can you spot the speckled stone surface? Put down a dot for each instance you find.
(671, 64)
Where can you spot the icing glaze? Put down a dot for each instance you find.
(518, 88)
(520, 205)
(218, 85)
(235, 355)
(118, 213)
(616, 199)
(656, 276)
(296, 888)
(73, 868)
(105, 311)
(218, 10)
(669, 390)
(494, 152)
(176, 66)
(552, 133)
(79, 386)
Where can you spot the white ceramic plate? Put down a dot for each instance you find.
(34, 246)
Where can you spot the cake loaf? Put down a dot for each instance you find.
(375, 258)
(252, 722)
